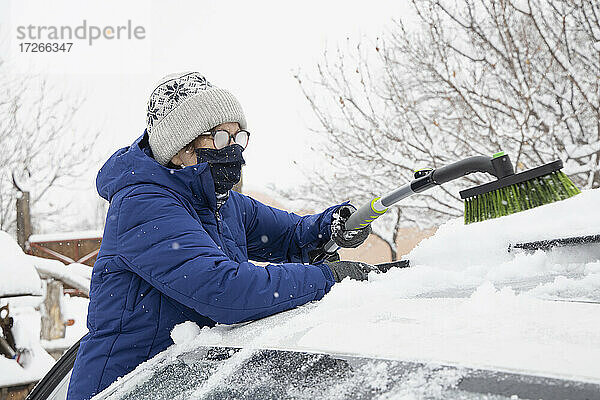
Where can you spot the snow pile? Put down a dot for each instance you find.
(20, 276)
(455, 304)
(75, 308)
(491, 329)
(586, 288)
(35, 360)
(456, 246)
(18, 273)
(75, 275)
(82, 270)
(184, 333)
(462, 257)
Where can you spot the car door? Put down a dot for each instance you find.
(55, 383)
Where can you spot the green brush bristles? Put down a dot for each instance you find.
(522, 196)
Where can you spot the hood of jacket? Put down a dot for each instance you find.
(134, 165)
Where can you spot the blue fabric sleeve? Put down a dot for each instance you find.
(164, 244)
(274, 235)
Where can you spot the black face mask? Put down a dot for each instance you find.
(225, 165)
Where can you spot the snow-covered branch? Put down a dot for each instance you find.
(479, 76)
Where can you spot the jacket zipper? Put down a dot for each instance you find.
(220, 232)
(218, 218)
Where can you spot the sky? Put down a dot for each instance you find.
(252, 49)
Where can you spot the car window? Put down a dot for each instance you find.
(60, 391)
(224, 373)
(56, 382)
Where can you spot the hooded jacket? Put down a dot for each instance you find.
(168, 255)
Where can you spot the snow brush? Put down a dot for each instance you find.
(513, 193)
(508, 194)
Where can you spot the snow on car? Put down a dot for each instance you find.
(468, 319)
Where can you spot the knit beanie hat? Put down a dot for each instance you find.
(183, 106)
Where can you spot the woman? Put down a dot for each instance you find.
(177, 240)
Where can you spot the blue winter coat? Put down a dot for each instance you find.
(168, 256)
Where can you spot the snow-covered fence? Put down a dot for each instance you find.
(77, 276)
(68, 247)
(46, 322)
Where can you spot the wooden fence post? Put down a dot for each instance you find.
(23, 220)
(53, 326)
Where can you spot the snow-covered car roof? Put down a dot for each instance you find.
(465, 302)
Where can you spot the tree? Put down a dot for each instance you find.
(39, 145)
(479, 76)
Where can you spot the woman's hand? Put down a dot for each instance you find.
(351, 269)
(347, 238)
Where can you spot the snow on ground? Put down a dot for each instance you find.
(18, 274)
(456, 304)
(35, 361)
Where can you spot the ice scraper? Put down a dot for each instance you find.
(510, 193)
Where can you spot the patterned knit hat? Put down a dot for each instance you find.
(183, 106)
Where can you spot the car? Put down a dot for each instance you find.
(238, 373)
(469, 319)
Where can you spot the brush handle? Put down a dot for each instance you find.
(498, 166)
(360, 218)
(374, 209)
(461, 168)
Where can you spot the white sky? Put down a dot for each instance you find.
(251, 48)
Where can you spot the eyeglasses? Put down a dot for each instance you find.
(222, 138)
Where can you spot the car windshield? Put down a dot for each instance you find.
(225, 373)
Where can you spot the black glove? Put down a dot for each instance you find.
(318, 255)
(341, 236)
(353, 269)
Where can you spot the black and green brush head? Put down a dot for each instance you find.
(519, 192)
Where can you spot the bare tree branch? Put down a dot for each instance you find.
(37, 135)
(477, 77)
